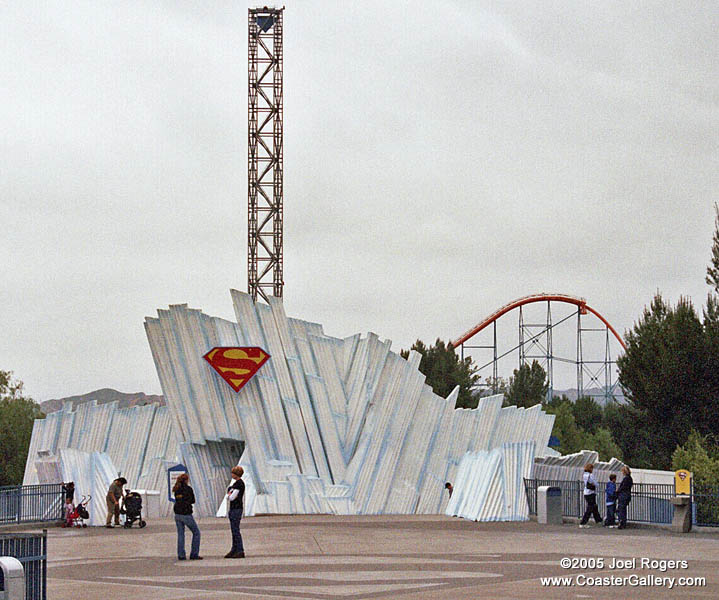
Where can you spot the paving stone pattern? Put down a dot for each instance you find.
(323, 557)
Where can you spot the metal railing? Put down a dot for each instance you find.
(31, 550)
(651, 503)
(705, 505)
(31, 503)
(571, 495)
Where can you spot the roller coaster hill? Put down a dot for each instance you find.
(569, 338)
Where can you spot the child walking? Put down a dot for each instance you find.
(611, 501)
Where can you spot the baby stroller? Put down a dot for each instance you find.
(132, 509)
(79, 515)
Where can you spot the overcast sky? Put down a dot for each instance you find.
(441, 159)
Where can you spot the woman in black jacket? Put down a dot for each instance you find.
(624, 497)
(184, 499)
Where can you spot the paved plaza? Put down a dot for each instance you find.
(398, 557)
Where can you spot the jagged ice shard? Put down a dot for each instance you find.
(327, 425)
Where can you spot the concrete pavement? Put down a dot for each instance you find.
(322, 557)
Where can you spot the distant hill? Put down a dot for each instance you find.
(596, 393)
(104, 396)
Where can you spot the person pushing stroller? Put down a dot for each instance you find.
(114, 493)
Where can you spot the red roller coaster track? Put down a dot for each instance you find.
(566, 298)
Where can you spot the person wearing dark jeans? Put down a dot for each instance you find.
(590, 497)
(611, 494)
(184, 499)
(624, 497)
(235, 498)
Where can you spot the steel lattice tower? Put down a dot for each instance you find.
(264, 154)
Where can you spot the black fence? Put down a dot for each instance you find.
(705, 505)
(31, 503)
(571, 495)
(651, 503)
(31, 550)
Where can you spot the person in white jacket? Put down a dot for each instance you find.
(590, 497)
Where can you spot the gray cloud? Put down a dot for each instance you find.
(439, 162)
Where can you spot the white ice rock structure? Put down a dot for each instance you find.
(90, 471)
(489, 485)
(139, 442)
(570, 467)
(327, 425)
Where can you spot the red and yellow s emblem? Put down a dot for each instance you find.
(236, 365)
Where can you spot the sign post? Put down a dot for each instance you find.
(172, 474)
(682, 501)
(682, 483)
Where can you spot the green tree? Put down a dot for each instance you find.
(627, 425)
(573, 438)
(527, 386)
(491, 386)
(670, 375)
(664, 374)
(17, 414)
(444, 371)
(711, 371)
(697, 455)
(565, 427)
(701, 457)
(712, 277)
(587, 413)
(602, 442)
(557, 400)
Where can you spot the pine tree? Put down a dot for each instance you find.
(712, 277)
(527, 386)
(444, 371)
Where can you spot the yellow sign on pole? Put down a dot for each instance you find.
(682, 482)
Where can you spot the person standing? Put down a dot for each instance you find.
(113, 501)
(235, 498)
(184, 499)
(611, 494)
(449, 487)
(590, 497)
(624, 496)
(68, 491)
